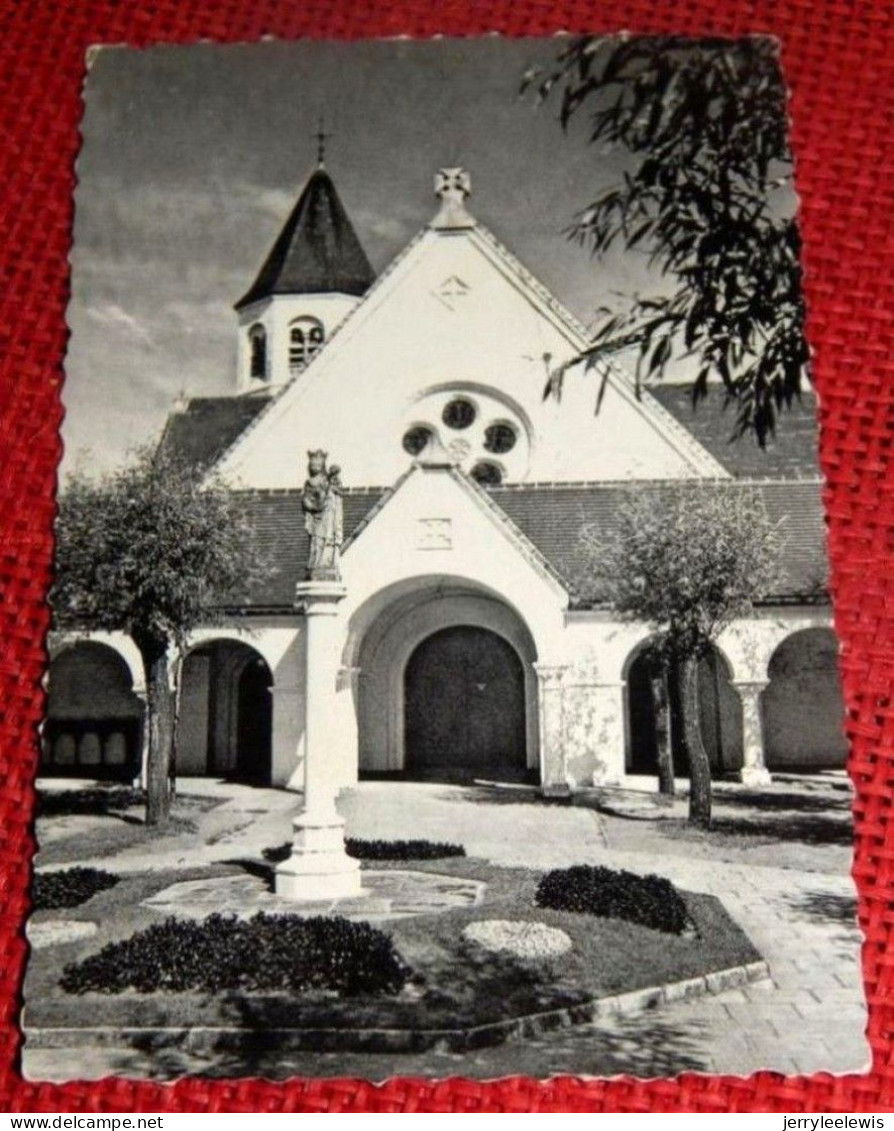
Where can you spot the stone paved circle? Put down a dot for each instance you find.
(522, 939)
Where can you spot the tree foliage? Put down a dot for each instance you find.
(688, 563)
(685, 560)
(152, 550)
(705, 124)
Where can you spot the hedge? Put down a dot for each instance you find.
(651, 901)
(264, 953)
(68, 888)
(380, 850)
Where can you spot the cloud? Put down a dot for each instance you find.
(111, 315)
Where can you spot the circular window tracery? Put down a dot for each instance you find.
(476, 431)
(499, 438)
(487, 474)
(417, 439)
(459, 413)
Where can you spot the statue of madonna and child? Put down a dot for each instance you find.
(321, 500)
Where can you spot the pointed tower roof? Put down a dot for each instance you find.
(317, 251)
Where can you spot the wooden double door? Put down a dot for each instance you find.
(464, 696)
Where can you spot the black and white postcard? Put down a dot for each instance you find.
(442, 677)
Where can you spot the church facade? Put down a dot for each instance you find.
(451, 644)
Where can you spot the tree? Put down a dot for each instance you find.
(707, 198)
(152, 550)
(688, 562)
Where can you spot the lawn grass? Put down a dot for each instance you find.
(454, 986)
(104, 822)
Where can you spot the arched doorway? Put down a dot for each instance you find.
(384, 636)
(649, 709)
(464, 703)
(803, 707)
(94, 720)
(226, 710)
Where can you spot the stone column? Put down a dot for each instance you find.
(754, 771)
(141, 780)
(319, 867)
(551, 695)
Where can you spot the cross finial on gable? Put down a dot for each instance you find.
(322, 137)
(452, 186)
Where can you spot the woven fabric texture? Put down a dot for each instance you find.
(837, 58)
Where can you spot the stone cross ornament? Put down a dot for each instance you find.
(321, 501)
(452, 186)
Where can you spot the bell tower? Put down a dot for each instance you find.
(315, 274)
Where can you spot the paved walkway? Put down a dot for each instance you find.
(809, 1018)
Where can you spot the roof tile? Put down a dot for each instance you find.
(551, 516)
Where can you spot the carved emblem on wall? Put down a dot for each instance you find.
(452, 291)
(434, 534)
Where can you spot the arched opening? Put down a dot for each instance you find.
(226, 712)
(257, 340)
(94, 720)
(390, 671)
(306, 337)
(803, 707)
(464, 707)
(649, 711)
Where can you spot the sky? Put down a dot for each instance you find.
(193, 157)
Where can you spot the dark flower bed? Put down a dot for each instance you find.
(381, 850)
(68, 888)
(401, 849)
(93, 801)
(651, 901)
(266, 953)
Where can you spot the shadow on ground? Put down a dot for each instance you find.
(488, 795)
(807, 830)
(837, 801)
(825, 907)
(643, 1046)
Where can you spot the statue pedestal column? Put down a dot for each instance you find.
(319, 867)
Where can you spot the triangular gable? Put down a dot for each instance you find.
(294, 418)
(436, 519)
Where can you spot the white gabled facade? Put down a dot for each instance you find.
(427, 379)
(456, 317)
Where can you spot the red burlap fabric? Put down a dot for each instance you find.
(836, 55)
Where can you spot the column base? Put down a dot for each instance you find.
(319, 868)
(556, 789)
(754, 775)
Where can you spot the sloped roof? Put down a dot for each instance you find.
(277, 520)
(317, 252)
(551, 516)
(794, 451)
(205, 428)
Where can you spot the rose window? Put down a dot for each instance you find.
(481, 432)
